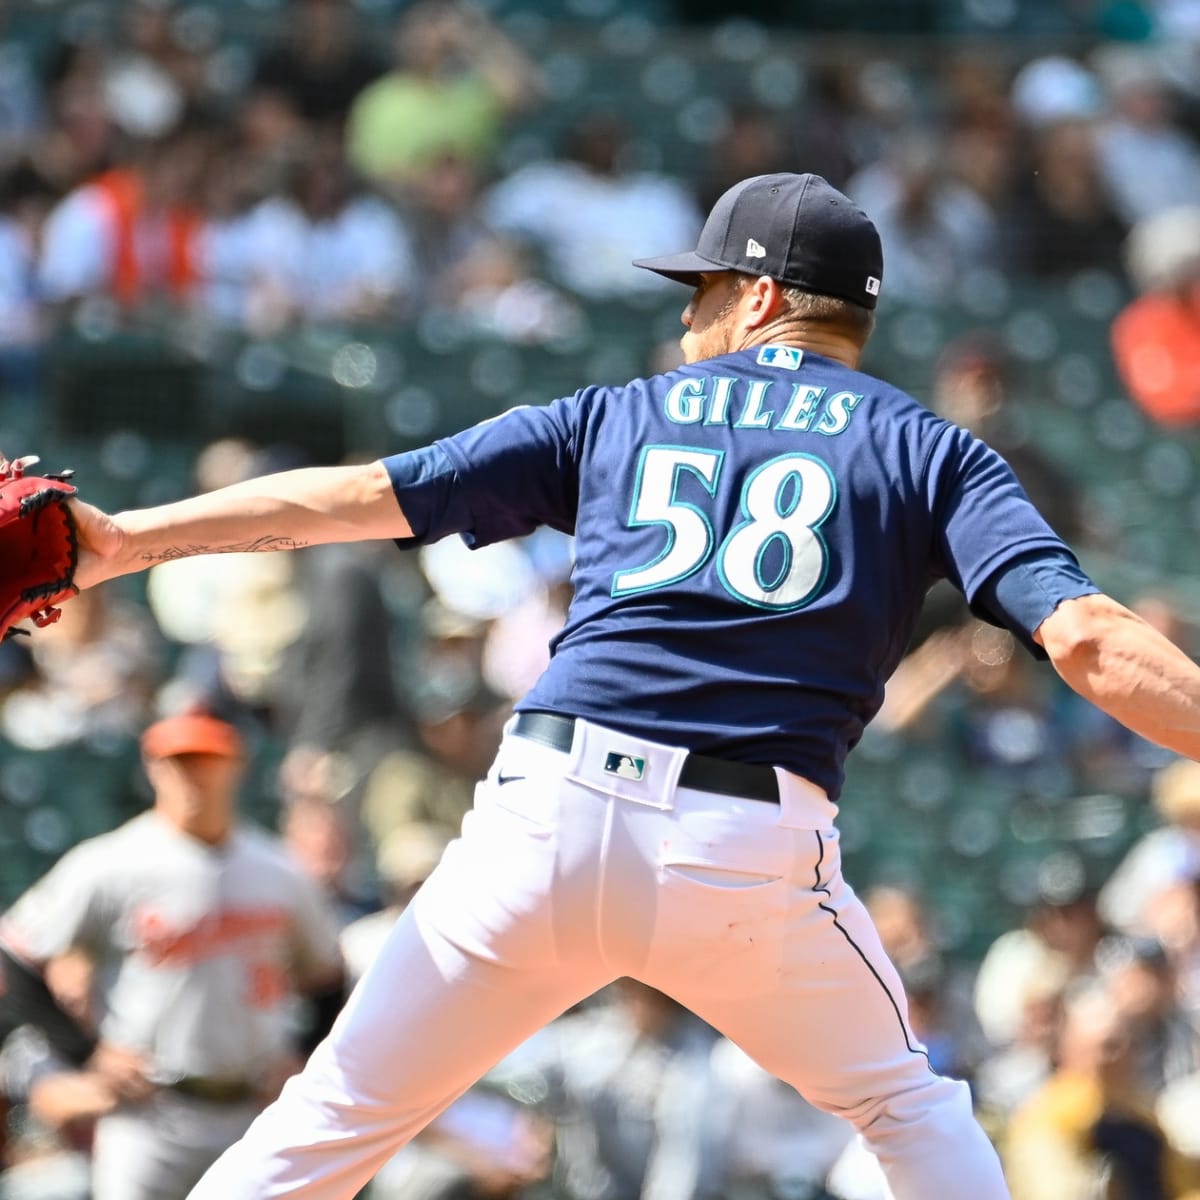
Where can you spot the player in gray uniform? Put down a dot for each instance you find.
(755, 535)
(201, 931)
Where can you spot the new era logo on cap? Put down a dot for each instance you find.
(755, 249)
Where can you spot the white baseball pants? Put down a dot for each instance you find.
(568, 876)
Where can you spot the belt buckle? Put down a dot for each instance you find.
(213, 1091)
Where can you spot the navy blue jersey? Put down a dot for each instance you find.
(755, 535)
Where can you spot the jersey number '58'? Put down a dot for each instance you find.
(784, 501)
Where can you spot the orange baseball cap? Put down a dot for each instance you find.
(191, 733)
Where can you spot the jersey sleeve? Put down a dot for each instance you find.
(66, 908)
(982, 517)
(1026, 590)
(499, 479)
(993, 544)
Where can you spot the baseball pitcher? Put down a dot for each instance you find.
(755, 532)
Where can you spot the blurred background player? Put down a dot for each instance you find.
(201, 934)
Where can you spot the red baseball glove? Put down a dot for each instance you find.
(39, 549)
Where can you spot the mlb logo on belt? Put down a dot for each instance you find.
(628, 766)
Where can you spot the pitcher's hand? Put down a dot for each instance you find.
(101, 541)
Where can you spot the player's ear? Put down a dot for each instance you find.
(762, 297)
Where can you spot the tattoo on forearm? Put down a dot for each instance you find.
(256, 545)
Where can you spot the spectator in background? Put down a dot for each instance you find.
(769, 1143)
(935, 230)
(354, 642)
(488, 1145)
(296, 239)
(343, 254)
(628, 1084)
(1147, 162)
(589, 211)
(151, 81)
(1173, 917)
(318, 67)
(457, 77)
(1052, 89)
(1156, 888)
(885, 103)
(833, 136)
(257, 614)
(1176, 1112)
(1015, 1070)
(982, 135)
(81, 139)
(967, 688)
(1063, 219)
(1156, 337)
(981, 154)
(497, 294)
(243, 283)
(1177, 19)
(404, 861)
(1058, 940)
(1169, 854)
(442, 208)
(1090, 1130)
(1140, 980)
(132, 233)
(95, 675)
(459, 722)
(53, 1109)
(318, 831)
(26, 199)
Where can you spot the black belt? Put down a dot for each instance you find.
(215, 1091)
(745, 780)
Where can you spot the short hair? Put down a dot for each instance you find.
(816, 308)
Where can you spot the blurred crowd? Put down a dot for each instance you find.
(354, 169)
(359, 171)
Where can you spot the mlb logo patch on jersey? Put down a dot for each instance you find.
(781, 356)
(627, 766)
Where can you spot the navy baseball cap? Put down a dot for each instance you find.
(798, 229)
